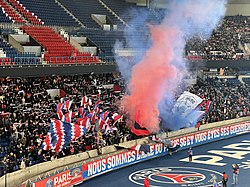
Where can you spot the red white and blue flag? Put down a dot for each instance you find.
(84, 100)
(62, 134)
(67, 104)
(208, 106)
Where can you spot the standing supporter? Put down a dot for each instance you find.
(190, 154)
(236, 171)
(224, 179)
(146, 182)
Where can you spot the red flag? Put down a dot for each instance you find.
(137, 129)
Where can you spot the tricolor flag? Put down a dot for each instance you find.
(208, 106)
(67, 104)
(61, 134)
(84, 100)
(68, 117)
(104, 115)
(60, 107)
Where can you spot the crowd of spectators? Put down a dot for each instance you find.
(226, 42)
(27, 108)
(227, 102)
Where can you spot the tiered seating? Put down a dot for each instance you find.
(11, 13)
(57, 49)
(121, 8)
(231, 81)
(246, 81)
(5, 61)
(25, 12)
(49, 12)
(129, 11)
(4, 18)
(83, 10)
(15, 57)
(105, 44)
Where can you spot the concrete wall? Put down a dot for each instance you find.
(12, 39)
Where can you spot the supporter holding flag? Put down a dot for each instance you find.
(84, 100)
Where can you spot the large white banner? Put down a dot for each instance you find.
(186, 103)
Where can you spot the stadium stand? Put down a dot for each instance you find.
(11, 56)
(3, 17)
(57, 49)
(12, 14)
(84, 9)
(26, 107)
(25, 12)
(226, 43)
(104, 40)
(27, 102)
(246, 81)
(50, 15)
(121, 8)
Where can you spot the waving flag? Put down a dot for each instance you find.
(84, 100)
(104, 115)
(68, 117)
(60, 106)
(83, 111)
(47, 142)
(137, 129)
(116, 117)
(208, 106)
(67, 104)
(61, 134)
(194, 117)
(186, 103)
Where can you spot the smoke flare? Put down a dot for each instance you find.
(157, 75)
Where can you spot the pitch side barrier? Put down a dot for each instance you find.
(75, 169)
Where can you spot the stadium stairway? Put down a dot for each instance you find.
(57, 49)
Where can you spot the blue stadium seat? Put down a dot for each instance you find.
(50, 12)
(83, 10)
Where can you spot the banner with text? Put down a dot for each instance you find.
(111, 162)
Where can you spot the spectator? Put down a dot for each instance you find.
(236, 170)
(23, 166)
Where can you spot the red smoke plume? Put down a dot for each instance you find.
(148, 80)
